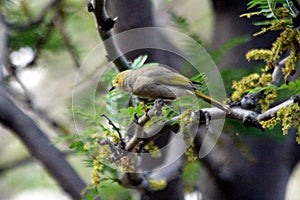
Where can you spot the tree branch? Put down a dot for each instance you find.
(277, 74)
(32, 136)
(250, 117)
(249, 101)
(104, 26)
(59, 23)
(273, 111)
(3, 46)
(39, 146)
(140, 122)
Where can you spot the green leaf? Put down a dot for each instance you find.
(116, 100)
(200, 81)
(84, 115)
(258, 89)
(63, 138)
(111, 190)
(55, 42)
(139, 62)
(293, 87)
(78, 146)
(268, 7)
(88, 163)
(199, 78)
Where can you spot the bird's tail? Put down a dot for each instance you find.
(211, 101)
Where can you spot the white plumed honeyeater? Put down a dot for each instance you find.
(159, 82)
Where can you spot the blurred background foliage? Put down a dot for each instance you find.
(58, 46)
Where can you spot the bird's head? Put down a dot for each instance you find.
(119, 81)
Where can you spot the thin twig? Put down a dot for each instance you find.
(140, 122)
(277, 74)
(116, 129)
(59, 24)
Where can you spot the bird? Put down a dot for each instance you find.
(159, 82)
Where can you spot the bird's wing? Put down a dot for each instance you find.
(148, 87)
(164, 75)
(174, 79)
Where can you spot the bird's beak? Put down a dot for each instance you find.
(112, 88)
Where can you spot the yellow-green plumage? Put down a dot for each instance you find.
(159, 82)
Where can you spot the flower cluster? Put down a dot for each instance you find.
(97, 169)
(289, 116)
(249, 82)
(158, 184)
(270, 96)
(153, 150)
(191, 157)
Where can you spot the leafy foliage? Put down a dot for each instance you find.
(279, 14)
(271, 8)
(5, 3)
(281, 17)
(293, 87)
(287, 41)
(289, 117)
(88, 142)
(101, 141)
